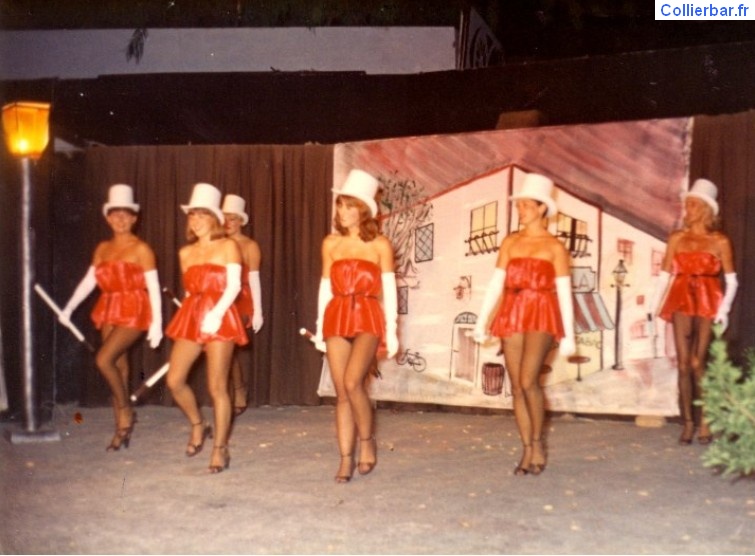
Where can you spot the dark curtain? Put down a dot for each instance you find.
(723, 150)
(287, 189)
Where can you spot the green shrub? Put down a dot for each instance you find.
(729, 407)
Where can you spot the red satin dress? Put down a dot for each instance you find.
(354, 309)
(530, 303)
(204, 285)
(124, 300)
(696, 287)
(244, 301)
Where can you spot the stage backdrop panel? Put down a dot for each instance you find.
(446, 207)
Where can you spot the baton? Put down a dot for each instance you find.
(373, 366)
(159, 373)
(150, 382)
(69, 325)
(173, 298)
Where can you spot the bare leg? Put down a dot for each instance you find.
(698, 362)
(684, 340)
(238, 386)
(525, 354)
(219, 355)
(182, 357)
(112, 362)
(349, 364)
(513, 348)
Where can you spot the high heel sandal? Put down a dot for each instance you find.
(366, 467)
(702, 437)
(537, 468)
(521, 469)
(238, 409)
(226, 459)
(193, 449)
(346, 478)
(122, 435)
(687, 433)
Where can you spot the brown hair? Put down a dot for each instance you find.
(217, 233)
(369, 228)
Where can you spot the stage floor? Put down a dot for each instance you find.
(443, 485)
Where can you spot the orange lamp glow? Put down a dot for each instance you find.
(26, 128)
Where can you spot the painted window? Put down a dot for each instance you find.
(573, 234)
(483, 230)
(625, 248)
(424, 239)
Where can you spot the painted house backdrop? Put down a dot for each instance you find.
(445, 205)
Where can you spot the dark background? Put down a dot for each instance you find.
(527, 29)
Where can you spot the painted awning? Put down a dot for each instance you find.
(590, 313)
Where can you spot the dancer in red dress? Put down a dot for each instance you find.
(208, 321)
(357, 266)
(533, 276)
(124, 269)
(696, 256)
(249, 301)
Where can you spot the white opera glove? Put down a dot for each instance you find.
(324, 296)
(254, 285)
(82, 291)
(390, 309)
(722, 315)
(214, 317)
(494, 291)
(155, 332)
(567, 346)
(655, 300)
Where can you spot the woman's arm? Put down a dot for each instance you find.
(385, 252)
(145, 256)
(252, 255)
(324, 292)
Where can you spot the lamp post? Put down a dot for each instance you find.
(26, 135)
(619, 275)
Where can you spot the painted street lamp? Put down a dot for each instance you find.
(26, 129)
(619, 276)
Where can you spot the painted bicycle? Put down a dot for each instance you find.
(412, 358)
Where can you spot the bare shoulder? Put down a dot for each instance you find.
(384, 249)
(721, 238)
(723, 242)
(100, 250)
(382, 243)
(143, 248)
(229, 245)
(330, 240)
(185, 251)
(557, 247)
(145, 255)
(675, 237)
(510, 240)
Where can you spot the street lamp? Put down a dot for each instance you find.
(26, 135)
(619, 275)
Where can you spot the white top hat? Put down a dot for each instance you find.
(207, 197)
(233, 204)
(120, 196)
(360, 185)
(705, 190)
(539, 188)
